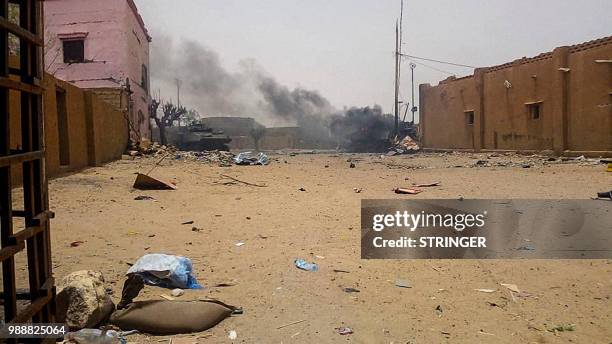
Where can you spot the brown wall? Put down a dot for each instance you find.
(96, 131)
(575, 104)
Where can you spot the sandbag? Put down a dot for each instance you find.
(164, 317)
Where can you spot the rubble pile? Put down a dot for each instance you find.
(148, 148)
(405, 146)
(221, 158)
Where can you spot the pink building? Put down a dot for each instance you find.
(103, 46)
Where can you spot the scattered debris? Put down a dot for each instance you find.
(351, 290)
(291, 324)
(76, 243)
(246, 158)
(220, 158)
(511, 287)
(144, 198)
(243, 182)
(357, 190)
(238, 244)
(303, 265)
(165, 271)
(428, 185)
(486, 290)
(166, 297)
(232, 335)
(341, 271)
(145, 182)
(352, 165)
(404, 191)
(196, 229)
(607, 195)
(188, 223)
(563, 328)
(302, 189)
(439, 310)
(403, 283)
(177, 292)
(344, 331)
(88, 335)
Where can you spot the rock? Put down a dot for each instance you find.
(82, 300)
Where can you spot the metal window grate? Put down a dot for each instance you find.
(22, 86)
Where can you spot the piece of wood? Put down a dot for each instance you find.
(290, 324)
(144, 182)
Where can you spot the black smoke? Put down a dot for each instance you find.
(250, 92)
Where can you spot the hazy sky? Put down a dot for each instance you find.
(344, 48)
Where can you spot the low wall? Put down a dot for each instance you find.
(86, 129)
(557, 101)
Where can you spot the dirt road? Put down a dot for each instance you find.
(279, 223)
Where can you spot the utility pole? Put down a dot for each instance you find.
(397, 66)
(414, 108)
(178, 97)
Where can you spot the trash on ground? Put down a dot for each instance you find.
(163, 317)
(428, 185)
(304, 265)
(341, 271)
(238, 244)
(402, 283)
(232, 335)
(165, 271)
(177, 292)
(196, 229)
(605, 194)
(144, 198)
(89, 336)
(563, 328)
(247, 158)
(352, 165)
(291, 324)
(486, 290)
(82, 300)
(236, 180)
(511, 287)
(166, 297)
(357, 190)
(144, 182)
(404, 191)
(343, 331)
(302, 189)
(351, 290)
(76, 243)
(439, 310)
(188, 223)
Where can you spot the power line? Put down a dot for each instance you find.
(430, 67)
(438, 61)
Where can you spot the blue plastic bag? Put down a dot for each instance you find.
(166, 271)
(304, 265)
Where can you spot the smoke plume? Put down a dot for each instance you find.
(251, 92)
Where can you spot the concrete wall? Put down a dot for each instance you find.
(116, 47)
(96, 131)
(572, 86)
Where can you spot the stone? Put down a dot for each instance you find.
(177, 292)
(82, 300)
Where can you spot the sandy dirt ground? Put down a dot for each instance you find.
(279, 223)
